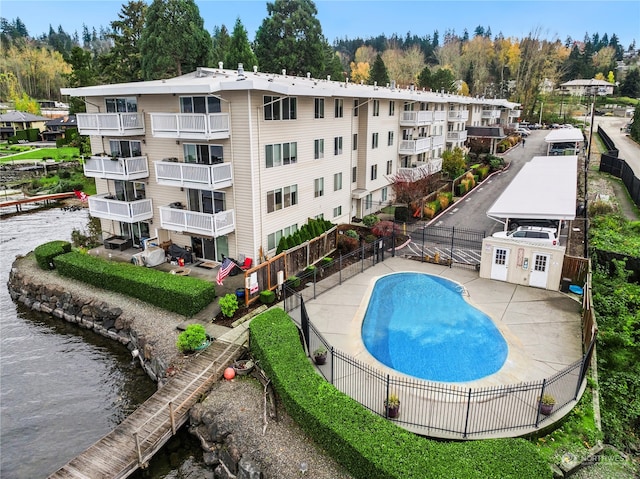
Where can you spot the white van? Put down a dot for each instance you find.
(531, 234)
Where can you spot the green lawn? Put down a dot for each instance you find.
(58, 154)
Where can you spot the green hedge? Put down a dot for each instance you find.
(46, 252)
(367, 445)
(180, 294)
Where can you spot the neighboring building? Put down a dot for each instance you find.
(227, 162)
(57, 127)
(18, 120)
(587, 87)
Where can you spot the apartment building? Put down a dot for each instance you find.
(226, 162)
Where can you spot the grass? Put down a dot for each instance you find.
(57, 154)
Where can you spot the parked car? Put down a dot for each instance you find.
(531, 234)
(523, 131)
(514, 223)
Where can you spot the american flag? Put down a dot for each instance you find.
(225, 268)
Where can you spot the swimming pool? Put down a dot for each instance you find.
(420, 324)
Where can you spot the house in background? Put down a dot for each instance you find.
(587, 87)
(227, 162)
(57, 127)
(20, 120)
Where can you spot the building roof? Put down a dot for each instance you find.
(216, 81)
(560, 135)
(68, 121)
(485, 132)
(589, 82)
(545, 188)
(20, 117)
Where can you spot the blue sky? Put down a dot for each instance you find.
(515, 18)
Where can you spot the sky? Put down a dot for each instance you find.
(370, 18)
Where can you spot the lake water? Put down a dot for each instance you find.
(61, 387)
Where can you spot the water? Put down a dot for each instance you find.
(421, 325)
(61, 387)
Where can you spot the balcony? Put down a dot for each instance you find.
(458, 115)
(190, 126)
(192, 175)
(437, 141)
(490, 114)
(109, 208)
(118, 168)
(111, 124)
(414, 147)
(416, 118)
(457, 135)
(420, 169)
(440, 115)
(194, 222)
(514, 113)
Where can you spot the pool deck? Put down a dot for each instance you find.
(542, 328)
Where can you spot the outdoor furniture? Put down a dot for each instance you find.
(118, 242)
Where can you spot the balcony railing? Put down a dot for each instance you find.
(458, 115)
(440, 115)
(191, 175)
(110, 124)
(515, 113)
(185, 221)
(491, 114)
(457, 135)
(116, 168)
(437, 141)
(414, 147)
(416, 118)
(190, 126)
(102, 206)
(420, 169)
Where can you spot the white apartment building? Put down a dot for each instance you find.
(226, 162)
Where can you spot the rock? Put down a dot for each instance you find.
(248, 469)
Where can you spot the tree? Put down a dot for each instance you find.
(379, 72)
(443, 79)
(360, 72)
(333, 64)
(631, 85)
(239, 48)
(424, 79)
(83, 74)
(123, 63)
(634, 132)
(291, 38)
(27, 104)
(221, 40)
(453, 162)
(173, 40)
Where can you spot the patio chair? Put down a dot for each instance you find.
(247, 264)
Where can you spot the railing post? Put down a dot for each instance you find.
(362, 257)
(544, 385)
(135, 436)
(466, 420)
(173, 418)
(424, 230)
(315, 271)
(340, 269)
(453, 232)
(386, 399)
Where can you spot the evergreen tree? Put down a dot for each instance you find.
(291, 38)
(443, 79)
(334, 67)
(424, 79)
(240, 49)
(83, 74)
(174, 40)
(630, 86)
(221, 40)
(634, 132)
(379, 72)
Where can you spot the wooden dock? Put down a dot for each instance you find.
(133, 442)
(35, 199)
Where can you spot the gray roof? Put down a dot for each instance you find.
(68, 120)
(21, 117)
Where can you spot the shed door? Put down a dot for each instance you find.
(500, 264)
(539, 270)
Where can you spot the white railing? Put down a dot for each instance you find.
(457, 135)
(440, 115)
(458, 115)
(116, 168)
(414, 147)
(185, 221)
(490, 113)
(437, 141)
(103, 206)
(111, 124)
(193, 126)
(416, 118)
(191, 175)
(420, 169)
(515, 113)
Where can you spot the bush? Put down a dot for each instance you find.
(347, 244)
(267, 296)
(401, 214)
(293, 281)
(228, 305)
(45, 253)
(191, 338)
(352, 234)
(370, 220)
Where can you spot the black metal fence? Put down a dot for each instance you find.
(618, 167)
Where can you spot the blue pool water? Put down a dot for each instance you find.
(421, 325)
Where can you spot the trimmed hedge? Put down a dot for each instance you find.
(46, 252)
(367, 445)
(180, 294)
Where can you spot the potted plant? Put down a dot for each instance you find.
(547, 401)
(392, 405)
(243, 366)
(320, 355)
(193, 338)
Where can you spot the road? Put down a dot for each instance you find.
(628, 149)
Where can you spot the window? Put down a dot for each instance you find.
(122, 105)
(337, 145)
(318, 149)
(337, 181)
(374, 141)
(318, 187)
(337, 211)
(392, 108)
(125, 148)
(319, 107)
(276, 108)
(390, 139)
(338, 108)
(389, 167)
(202, 154)
(355, 141)
(200, 104)
(281, 154)
(282, 198)
(368, 201)
(384, 194)
(374, 172)
(289, 108)
(271, 107)
(354, 174)
(356, 107)
(274, 238)
(376, 107)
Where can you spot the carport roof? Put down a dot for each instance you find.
(545, 188)
(561, 135)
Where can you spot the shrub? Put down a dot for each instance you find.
(45, 253)
(191, 338)
(600, 207)
(352, 234)
(293, 281)
(370, 220)
(267, 296)
(401, 214)
(228, 305)
(347, 244)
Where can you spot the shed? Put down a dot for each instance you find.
(545, 188)
(564, 141)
